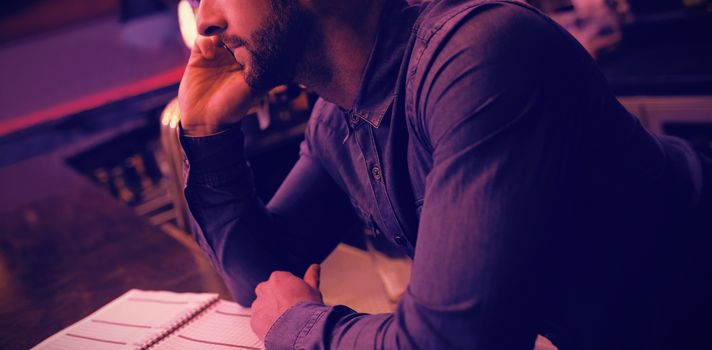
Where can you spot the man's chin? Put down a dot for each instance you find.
(259, 86)
(262, 83)
(254, 79)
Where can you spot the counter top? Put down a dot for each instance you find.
(67, 248)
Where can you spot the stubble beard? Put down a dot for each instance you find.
(278, 47)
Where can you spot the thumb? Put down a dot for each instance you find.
(311, 277)
(205, 46)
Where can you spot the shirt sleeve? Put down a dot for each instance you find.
(499, 153)
(245, 239)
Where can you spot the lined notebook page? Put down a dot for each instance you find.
(225, 326)
(130, 321)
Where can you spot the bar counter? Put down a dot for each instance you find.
(67, 248)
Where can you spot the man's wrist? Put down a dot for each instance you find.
(201, 130)
(295, 323)
(215, 158)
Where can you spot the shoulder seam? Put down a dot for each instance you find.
(425, 37)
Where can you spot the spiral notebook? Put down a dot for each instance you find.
(163, 320)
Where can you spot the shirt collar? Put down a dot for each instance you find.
(379, 78)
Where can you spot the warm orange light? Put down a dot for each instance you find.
(171, 114)
(187, 22)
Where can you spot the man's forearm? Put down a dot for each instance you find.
(247, 240)
(221, 196)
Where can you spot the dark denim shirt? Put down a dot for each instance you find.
(485, 144)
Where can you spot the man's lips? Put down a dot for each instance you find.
(227, 47)
(232, 42)
(233, 53)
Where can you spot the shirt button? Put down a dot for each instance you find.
(354, 118)
(400, 241)
(376, 171)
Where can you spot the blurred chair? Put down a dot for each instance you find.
(172, 168)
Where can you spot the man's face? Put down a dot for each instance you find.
(267, 37)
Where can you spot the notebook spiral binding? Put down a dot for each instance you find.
(151, 341)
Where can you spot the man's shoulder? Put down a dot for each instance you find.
(441, 15)
(482, 32)
(471, 53)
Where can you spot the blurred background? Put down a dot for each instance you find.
(90, 167)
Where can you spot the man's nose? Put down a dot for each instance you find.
(210, 19)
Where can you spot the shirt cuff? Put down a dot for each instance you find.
(294, 325)
(214, 159)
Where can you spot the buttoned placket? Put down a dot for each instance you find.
(353, 119)
(365, 139)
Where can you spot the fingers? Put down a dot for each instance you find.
(207, 46)
(260, 288)
(210, 52)
(275, 276)
(311, 277)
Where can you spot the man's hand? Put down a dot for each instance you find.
(279, 293)
(213, 94)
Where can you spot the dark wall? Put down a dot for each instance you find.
(21, 18)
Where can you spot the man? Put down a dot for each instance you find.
(478, 137)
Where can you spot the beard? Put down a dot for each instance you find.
(278, 46)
